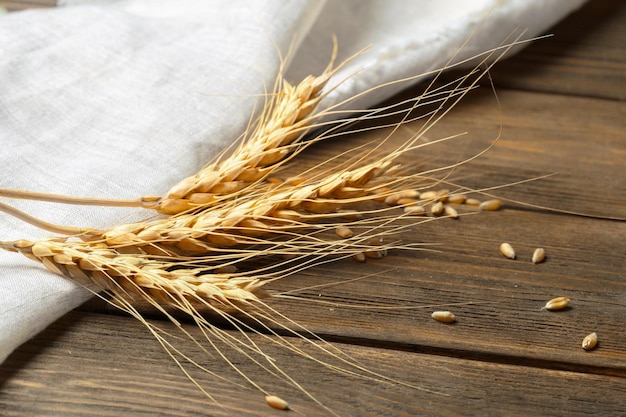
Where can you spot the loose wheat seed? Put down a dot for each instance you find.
(344, 232)
(490, 205)
(558, 303)
(442, 195)
(415, 210)
(444, 316)
(437, 208)
(539, 255)
(408, 194)
(392, 200)
(590, 341)
(457, 198)
(359, 257)
(429, 195)
(374, 254)
(277, 402)
(473, 202)
(407, 202)
(451, 212)
(507, 250)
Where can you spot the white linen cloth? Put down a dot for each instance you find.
(124, 98)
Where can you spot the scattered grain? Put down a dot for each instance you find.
(507, 250)
(392, 200)
(277, 402)
(490, 205)
(442, 195)
(359, 257)
(558, 303)
(429, 195)
(473, 202)
(457, 198)
(437, 208)
(374, 254)
(451, 212)
(539, 255)
(415, 210)
(408, 193)
(344, 232)
(590, 341)
(407, 202)
(444, 316)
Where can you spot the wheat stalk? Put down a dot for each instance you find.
(226, 215)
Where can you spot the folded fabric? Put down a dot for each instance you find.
(124, 98)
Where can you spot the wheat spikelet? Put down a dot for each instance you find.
(99, 267)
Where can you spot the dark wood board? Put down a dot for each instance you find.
(99, 365)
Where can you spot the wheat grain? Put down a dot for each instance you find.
(444, 316)
(415, 211)
(451, 212)
(590, 341)
(437, 208)
(539, 255)
(490, 205)
(558, 303)
(359, 257)
(429, 195)
(277, 402)
(344, 232)
(457, 198)
(507, 250)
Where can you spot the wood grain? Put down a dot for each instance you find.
(78, 367)
(559, 110)
(585, 57)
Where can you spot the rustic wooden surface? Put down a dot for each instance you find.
(561, 111)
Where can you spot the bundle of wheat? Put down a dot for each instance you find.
(228, 231)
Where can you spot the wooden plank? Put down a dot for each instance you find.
(505, 322)
(585, 57)
(88, 365)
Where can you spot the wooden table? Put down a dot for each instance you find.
(562, 111)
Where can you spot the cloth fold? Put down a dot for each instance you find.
(124, 98)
